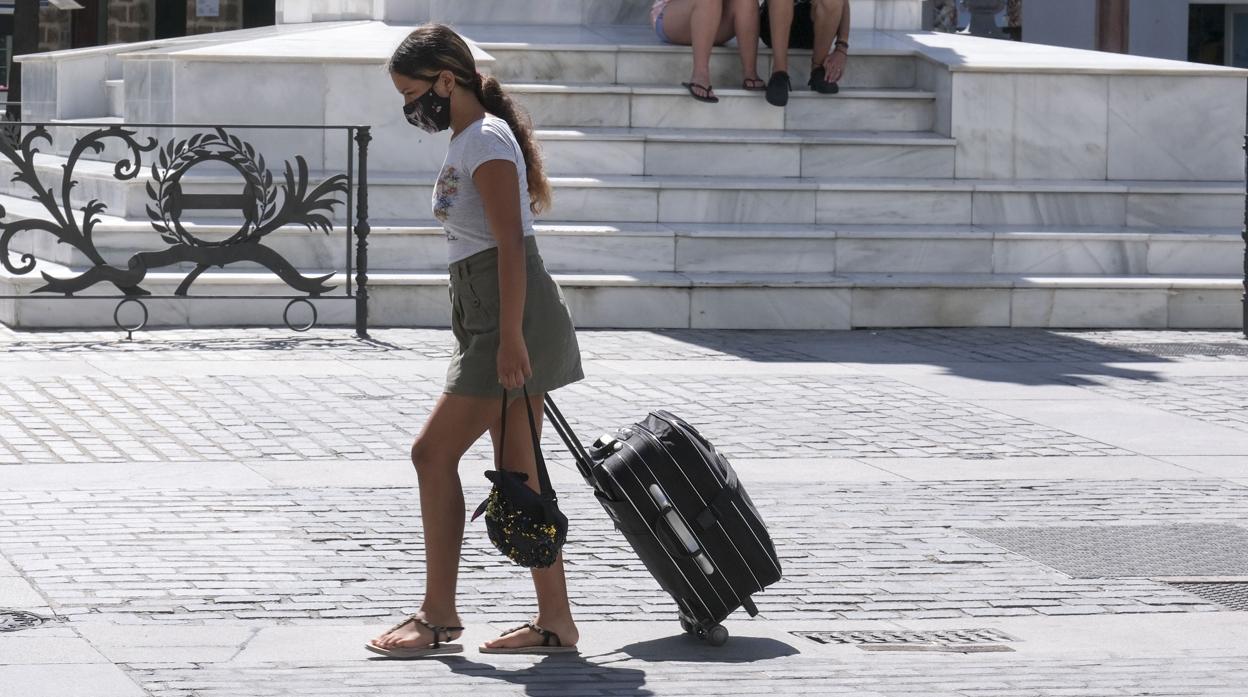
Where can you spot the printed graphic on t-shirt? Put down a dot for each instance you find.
(445, 193)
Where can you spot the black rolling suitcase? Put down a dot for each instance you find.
(679, 504)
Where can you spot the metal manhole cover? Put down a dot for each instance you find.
(951, 640)
(16, 620)
(1180, 349)
(1115, 551)
(1232, 595)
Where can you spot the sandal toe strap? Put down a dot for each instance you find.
(438, 630)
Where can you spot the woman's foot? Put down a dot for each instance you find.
(699, 86)
(413, 634)
(523, 637)
(753, 84)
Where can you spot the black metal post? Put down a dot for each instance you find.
(362, 137)
(1244, 300)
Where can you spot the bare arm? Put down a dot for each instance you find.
(498, 183)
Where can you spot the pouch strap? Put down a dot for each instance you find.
(543, 476)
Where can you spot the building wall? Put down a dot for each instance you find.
(1070, 23)
(1158, 29)
(53, 29)
(133, 20)
(129, 20)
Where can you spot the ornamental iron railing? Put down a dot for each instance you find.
(266, 208)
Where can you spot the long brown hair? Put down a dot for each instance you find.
(432, 48)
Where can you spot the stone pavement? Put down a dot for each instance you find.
(1015, 513)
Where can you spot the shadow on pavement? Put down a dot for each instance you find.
(739, 649)
(558, 675)
(1020, 356)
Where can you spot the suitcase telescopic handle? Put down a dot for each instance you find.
(583, 462)
(674, 535)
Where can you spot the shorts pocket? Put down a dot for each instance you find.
(480, 304)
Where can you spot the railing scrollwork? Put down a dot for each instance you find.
(265, 208)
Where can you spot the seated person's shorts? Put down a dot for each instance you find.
(801, 34)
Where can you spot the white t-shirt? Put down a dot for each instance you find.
(456, 202)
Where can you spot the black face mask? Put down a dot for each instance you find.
(429, 112)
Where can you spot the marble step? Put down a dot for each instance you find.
(692, 247)
(679, 151)
(652, 106)
(661, 64)
(743, 199)
(685, 151)
(677, 300)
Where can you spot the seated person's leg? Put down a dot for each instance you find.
(695, 23)
(741, 21)
(829, 20)
(825, 18)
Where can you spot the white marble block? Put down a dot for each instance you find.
(737, 206)
(762, 253)
(625, 307)
(913, 254)
(698, 158)
(771, 308)
(867, 160)
(1176, 127)
(1206, 309)
(931, 307)
(1089, 307)
(1049, 208)
(1185, 210)
(1198, 257)
(1023, 126)
(1113, 257)
(858, 207)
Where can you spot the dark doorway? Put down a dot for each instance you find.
(1206, 34)
(85, 25)
(170, 19)
(259, 13)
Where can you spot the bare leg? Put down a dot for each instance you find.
(456, 423)
(553, 609)
(827, 19)
(780, 16)
(741, 16)
(696, 23)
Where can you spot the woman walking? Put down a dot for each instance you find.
(510, 321)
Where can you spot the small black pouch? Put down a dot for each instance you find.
(525, 525)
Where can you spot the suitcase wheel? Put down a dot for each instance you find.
(716, 635)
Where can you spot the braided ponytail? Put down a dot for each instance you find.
(491, 95)
(435, 47)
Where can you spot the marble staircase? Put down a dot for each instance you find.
(893, 203)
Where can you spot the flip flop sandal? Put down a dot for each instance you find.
(438, 648)
(753, 84)
(545, 647)
(706, 90)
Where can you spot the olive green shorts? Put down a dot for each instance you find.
(549, 335)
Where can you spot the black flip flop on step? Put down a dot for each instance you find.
(753, 84)
(706, 95)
